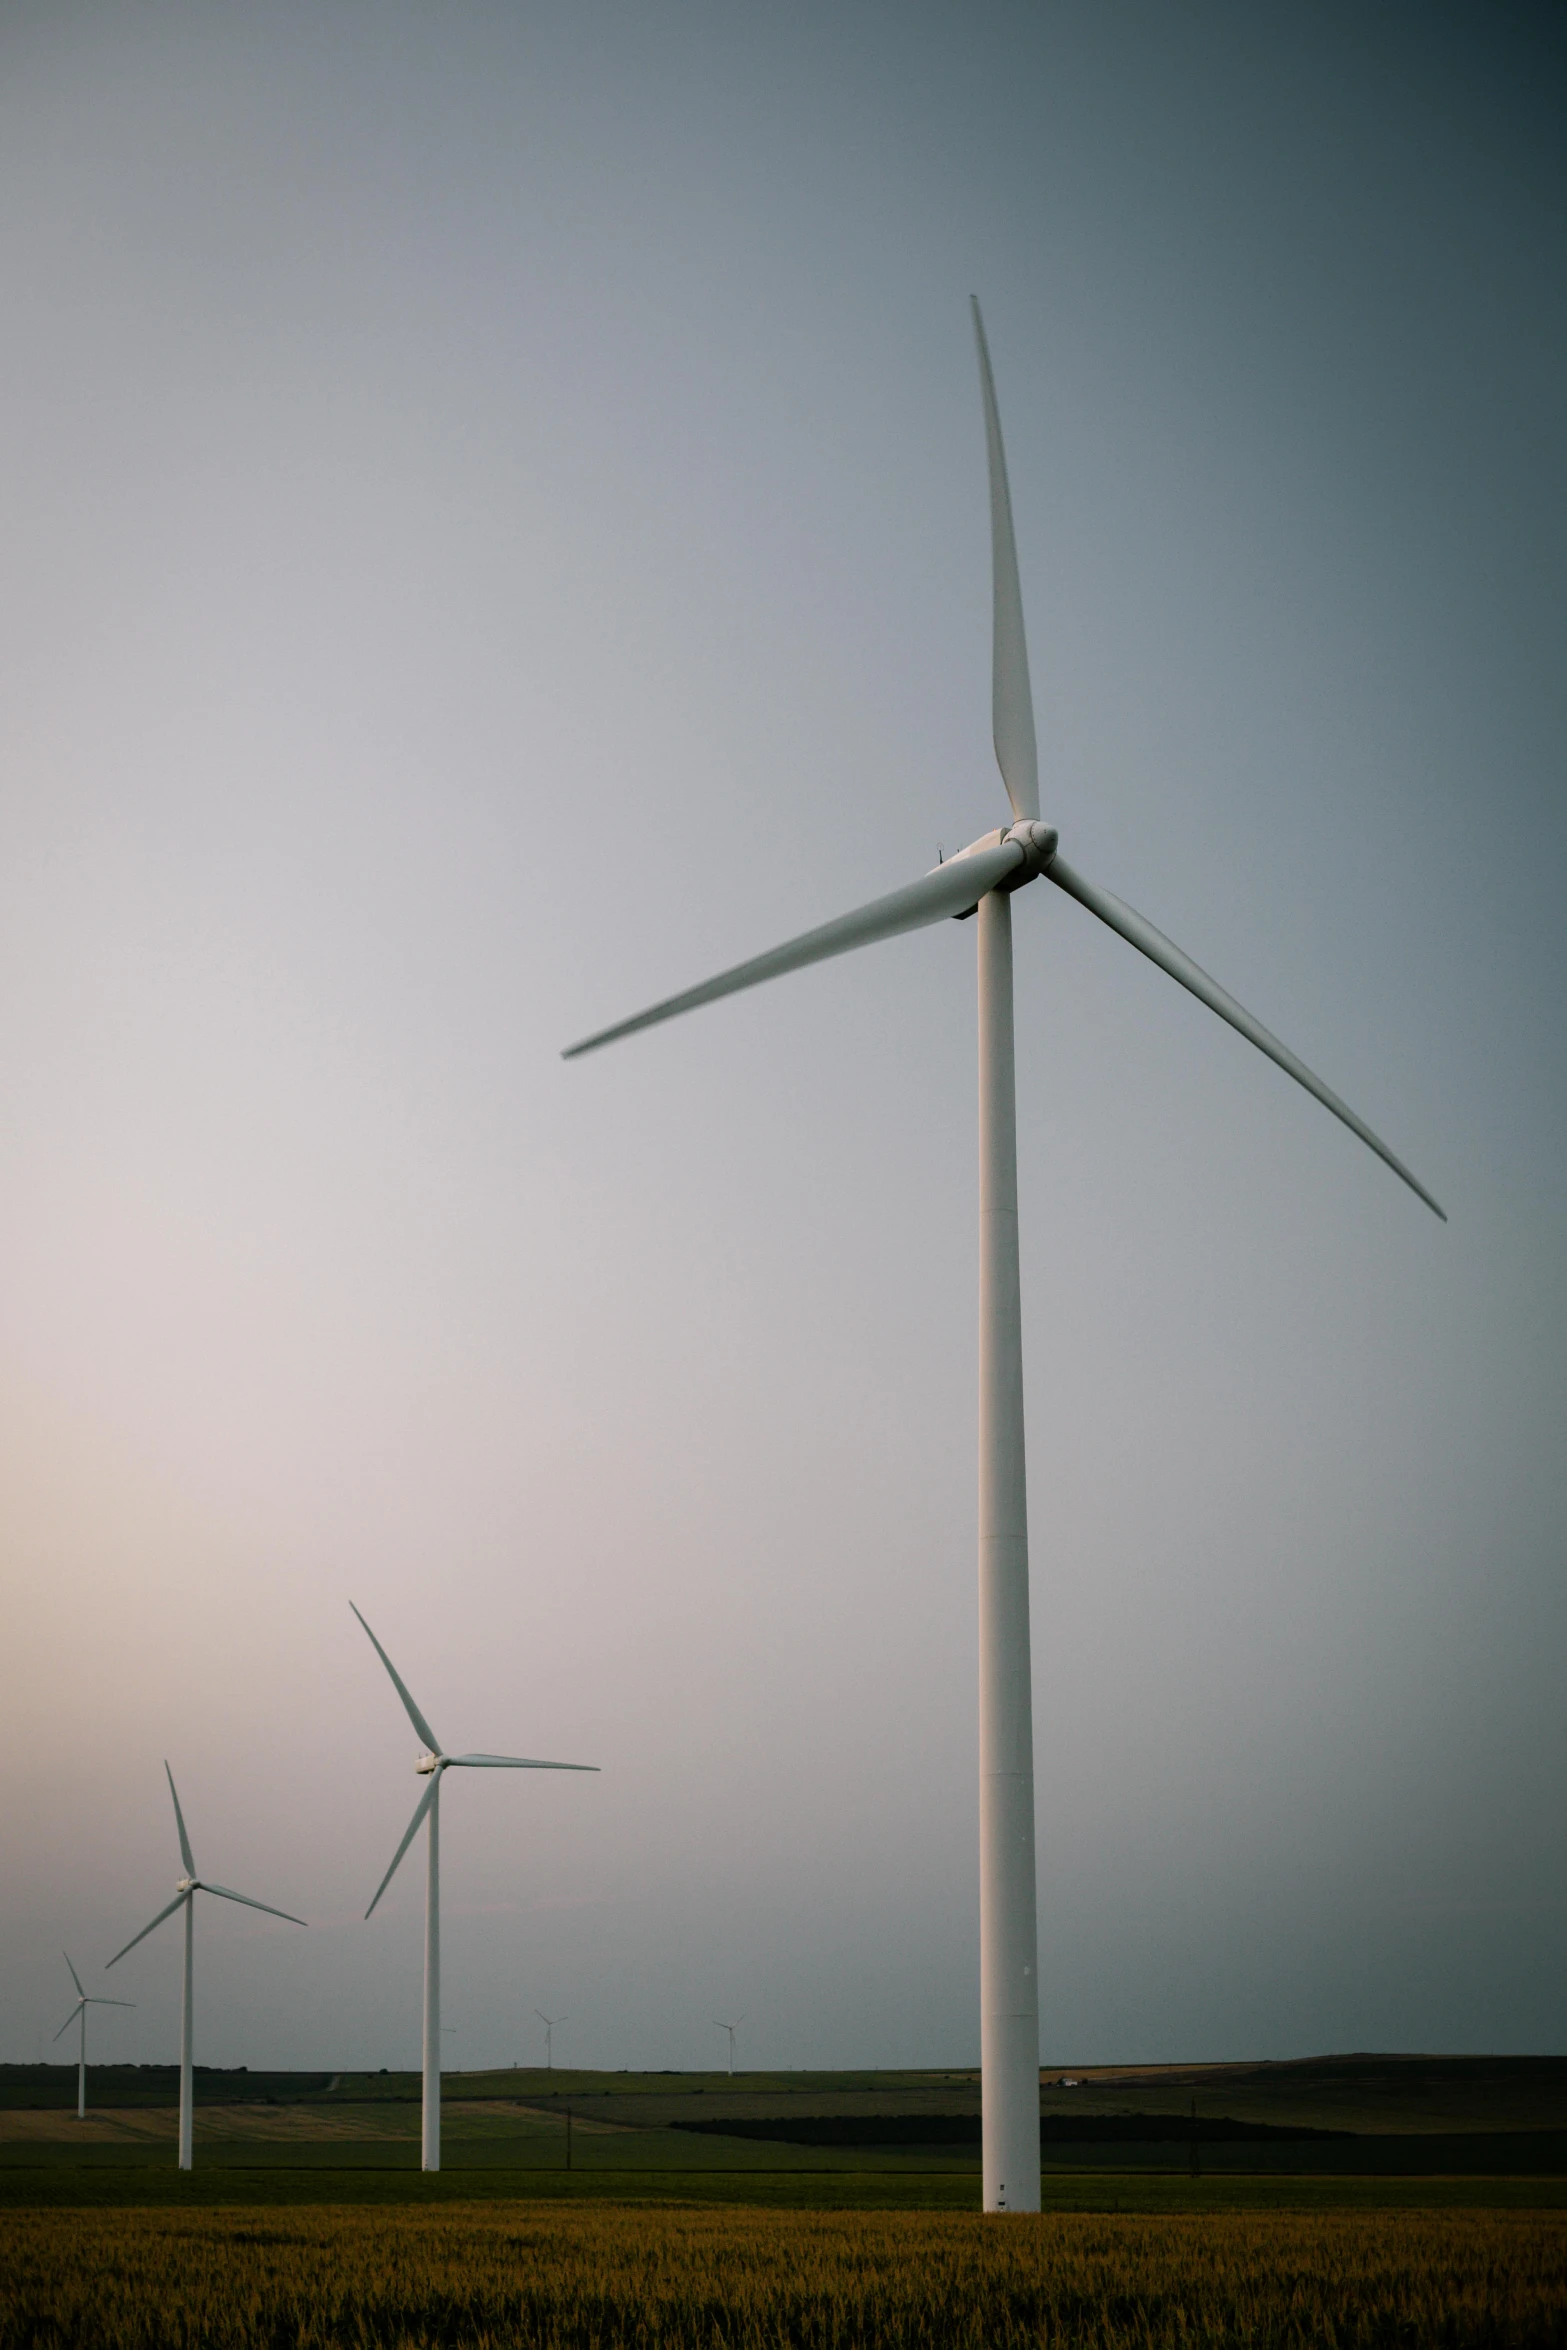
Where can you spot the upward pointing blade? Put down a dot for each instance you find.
(1141, 934)
(75, 1977)
(1012, 704)
(179, 1819)
(432, 1743)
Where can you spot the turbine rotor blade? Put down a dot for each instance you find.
(432, 1743)
(75, 1977)
(105, 2003)
(1011, 703)
(179, 1818)
(952, 888)
(512, 1762)
(71, 2018)
(1141, 934)
(179, 1898)
(226, 1893)
(409, 1833)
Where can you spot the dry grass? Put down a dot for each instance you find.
(597, 2278)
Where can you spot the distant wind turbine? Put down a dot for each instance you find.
(549, 2023)
(982, 879)
(185, 1898)
(731, 2029)
(432, 1763)
(78, 2015)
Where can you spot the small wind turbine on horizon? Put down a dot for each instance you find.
(981, 880)
(549, 2023)
(78, 2014)
(731, 2029)
(432, 1764)
(188, 1887)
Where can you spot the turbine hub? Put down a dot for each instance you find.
(426, 1764)
(1039, 843)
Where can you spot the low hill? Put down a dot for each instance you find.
(1404, 2095)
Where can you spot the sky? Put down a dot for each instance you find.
(493, 529)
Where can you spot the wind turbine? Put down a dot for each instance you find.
(982, 879)
(431, 1764)
(731, 2029)
(185, 1898)
(549, 2023)
(78, 2014)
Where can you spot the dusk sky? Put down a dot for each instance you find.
(493, 529)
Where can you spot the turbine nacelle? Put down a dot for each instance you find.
(1037, 843)
(428, 1763)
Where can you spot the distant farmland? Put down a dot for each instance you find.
(1364, 2115)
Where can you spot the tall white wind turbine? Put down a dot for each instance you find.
(731, 2029)
(982, 880)
(78, 2015)
(549, 2022)
(432, 1764)
(185, 1898)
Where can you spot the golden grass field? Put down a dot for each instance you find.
(600, 2276)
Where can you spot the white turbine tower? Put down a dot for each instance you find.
(185, 1898)
(731, 2029)
(431, 1765)
(549, 2022)
(982, 879)
(78, 2015)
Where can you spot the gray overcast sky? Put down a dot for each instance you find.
(493, 528)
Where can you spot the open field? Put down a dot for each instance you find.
(560, 2278)
(1402, 2095)
(1353, 2117)
(789, 2209)
(266, 2178)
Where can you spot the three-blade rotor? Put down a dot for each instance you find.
(1005, 860)
(84, 1998)
(433, 1762)
(190, 1886)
